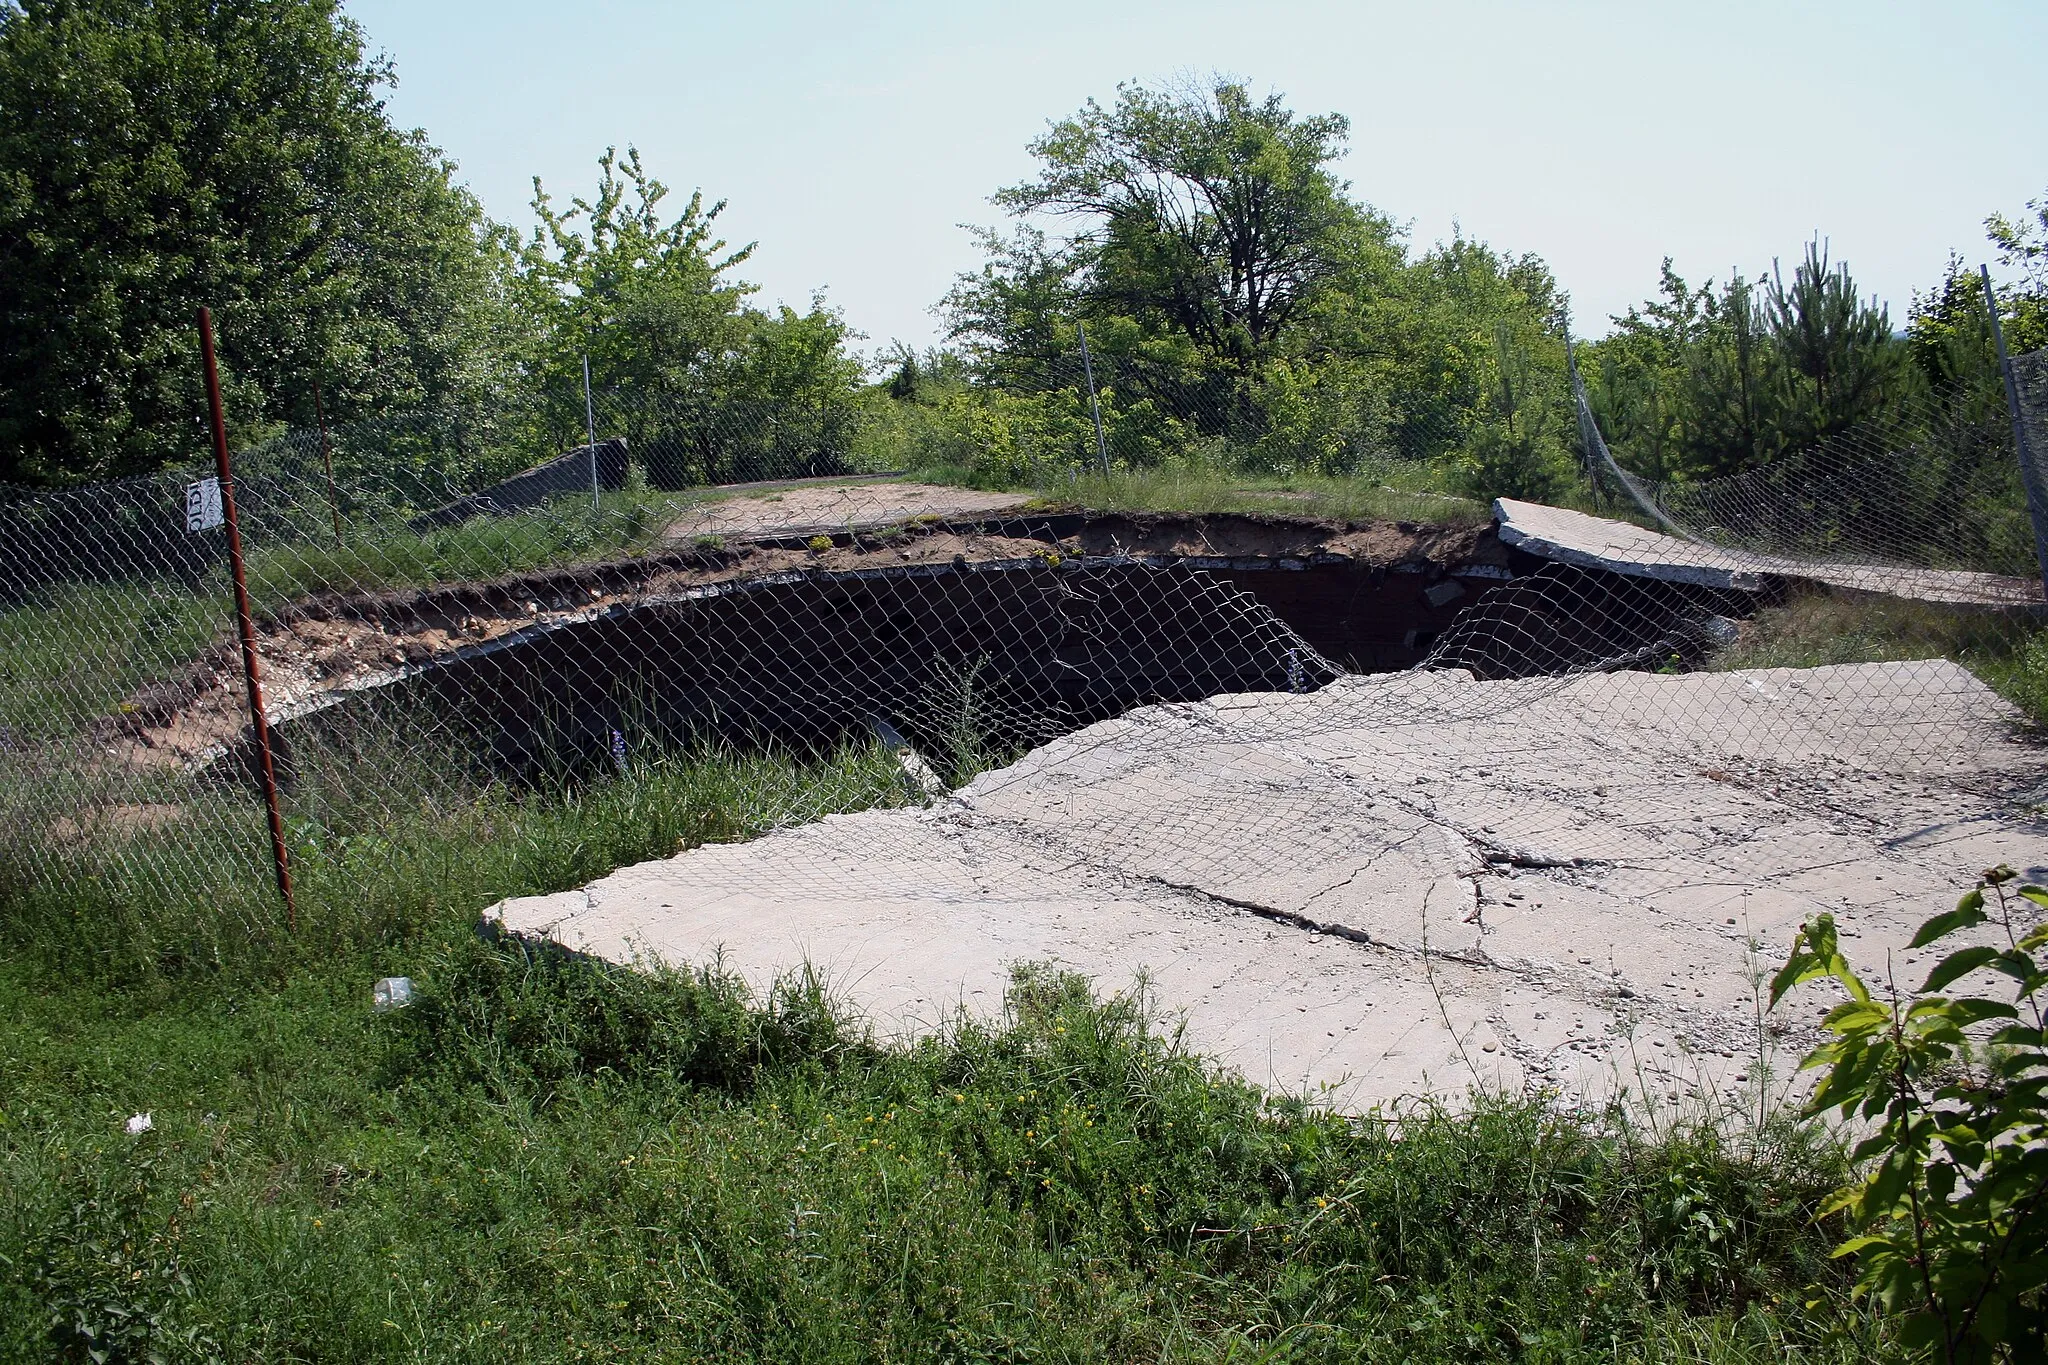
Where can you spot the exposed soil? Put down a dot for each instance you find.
(340, 643)
(787, 509)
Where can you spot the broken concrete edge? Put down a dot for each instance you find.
(1569, 537)
(1697, 575)
(546, 920)
(626, 581)
(628, 571)
(590, 921)
(326, 697)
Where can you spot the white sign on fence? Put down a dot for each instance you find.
(202, 505)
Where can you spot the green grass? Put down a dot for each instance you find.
(75, 652)
(1396, 493)
(1813, 628)
(380, 557)
(546, 1160)
(382, 848)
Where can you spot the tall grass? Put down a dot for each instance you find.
(1814, 627)
(75, 652)
(1394, 492)
(546, 1159)
(380, 556)
(380, 850)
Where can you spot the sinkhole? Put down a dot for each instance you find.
(1021, 634)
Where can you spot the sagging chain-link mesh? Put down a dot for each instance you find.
(1716, 680)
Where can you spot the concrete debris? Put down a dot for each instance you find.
(1567, 537)
(1401, 884)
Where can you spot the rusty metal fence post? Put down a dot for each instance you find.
(245, 621)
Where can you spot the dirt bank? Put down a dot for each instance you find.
(347, 642)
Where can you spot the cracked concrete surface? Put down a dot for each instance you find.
(1403, 884)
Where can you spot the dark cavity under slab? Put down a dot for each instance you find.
(970, 664)
(974, 662)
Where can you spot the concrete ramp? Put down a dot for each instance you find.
(1401, 884)
(1567, 537)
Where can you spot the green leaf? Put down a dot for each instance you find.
(2018, 966)
(1857, 1017)
(1811, 947)
(1971, 1010)
(1969, 911)
(1855, 1245)
(1957, 964)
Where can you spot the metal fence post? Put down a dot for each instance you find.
(2030, 473)
(1095, 408)
(590, 430)
(245, 620)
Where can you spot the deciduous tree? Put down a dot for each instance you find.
(156, 155)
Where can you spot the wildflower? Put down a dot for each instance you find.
(140, 1123)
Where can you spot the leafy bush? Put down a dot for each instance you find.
(1504, 463)
(109, 1274)
(1950, 1213)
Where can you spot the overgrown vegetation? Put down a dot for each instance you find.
(1815, 627)
(384, 848)
(548, 1159)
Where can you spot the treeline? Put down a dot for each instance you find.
(1712, 380)
(1240, 305)
(156, 155)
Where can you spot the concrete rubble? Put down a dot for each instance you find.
(1567, 537)
(1403, 884)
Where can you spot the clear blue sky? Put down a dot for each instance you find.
(852, 140)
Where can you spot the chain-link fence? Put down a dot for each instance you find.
(462, 619)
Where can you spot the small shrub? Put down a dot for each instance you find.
(1503, 463)
(110, 1276)
(1950, 1212)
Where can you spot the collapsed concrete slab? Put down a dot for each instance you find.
(1401, 884)
(1567, 537)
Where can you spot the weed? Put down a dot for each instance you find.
(380, 850)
